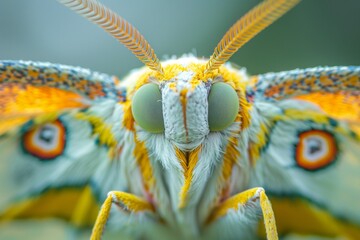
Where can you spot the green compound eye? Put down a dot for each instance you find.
(223, 106)
(147, 108)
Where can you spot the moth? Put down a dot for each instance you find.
(186, 148)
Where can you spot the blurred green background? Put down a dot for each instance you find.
(316, 32)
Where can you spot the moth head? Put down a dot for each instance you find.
(187, 104)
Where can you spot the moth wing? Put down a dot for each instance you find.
(305, 150)
(60, 141)
(335, 90)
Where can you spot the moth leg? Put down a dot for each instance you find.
(241, 199)
(126, 201)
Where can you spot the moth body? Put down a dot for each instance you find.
(187, 158)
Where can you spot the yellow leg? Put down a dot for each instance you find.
(254, 194)
(126, 201)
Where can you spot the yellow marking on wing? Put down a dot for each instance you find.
(336, 105)
(262, 139)
(301, 115)
(73, 204)
(356, 129)
(85, 207)
(191, 162)
(29, 100)
(19, 104)
(42, 119)
(142, 159)
(8, 124)
(103, 130)
(298, 216)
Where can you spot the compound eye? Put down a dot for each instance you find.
(147, 108)
(223, 106)
(316, 149)
(45, 142)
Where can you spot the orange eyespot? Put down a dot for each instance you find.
(45, 142)
(316, 149)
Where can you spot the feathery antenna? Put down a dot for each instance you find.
(246, 28)
(118, 27)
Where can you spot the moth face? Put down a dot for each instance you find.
(185, 108)
(185, 111)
